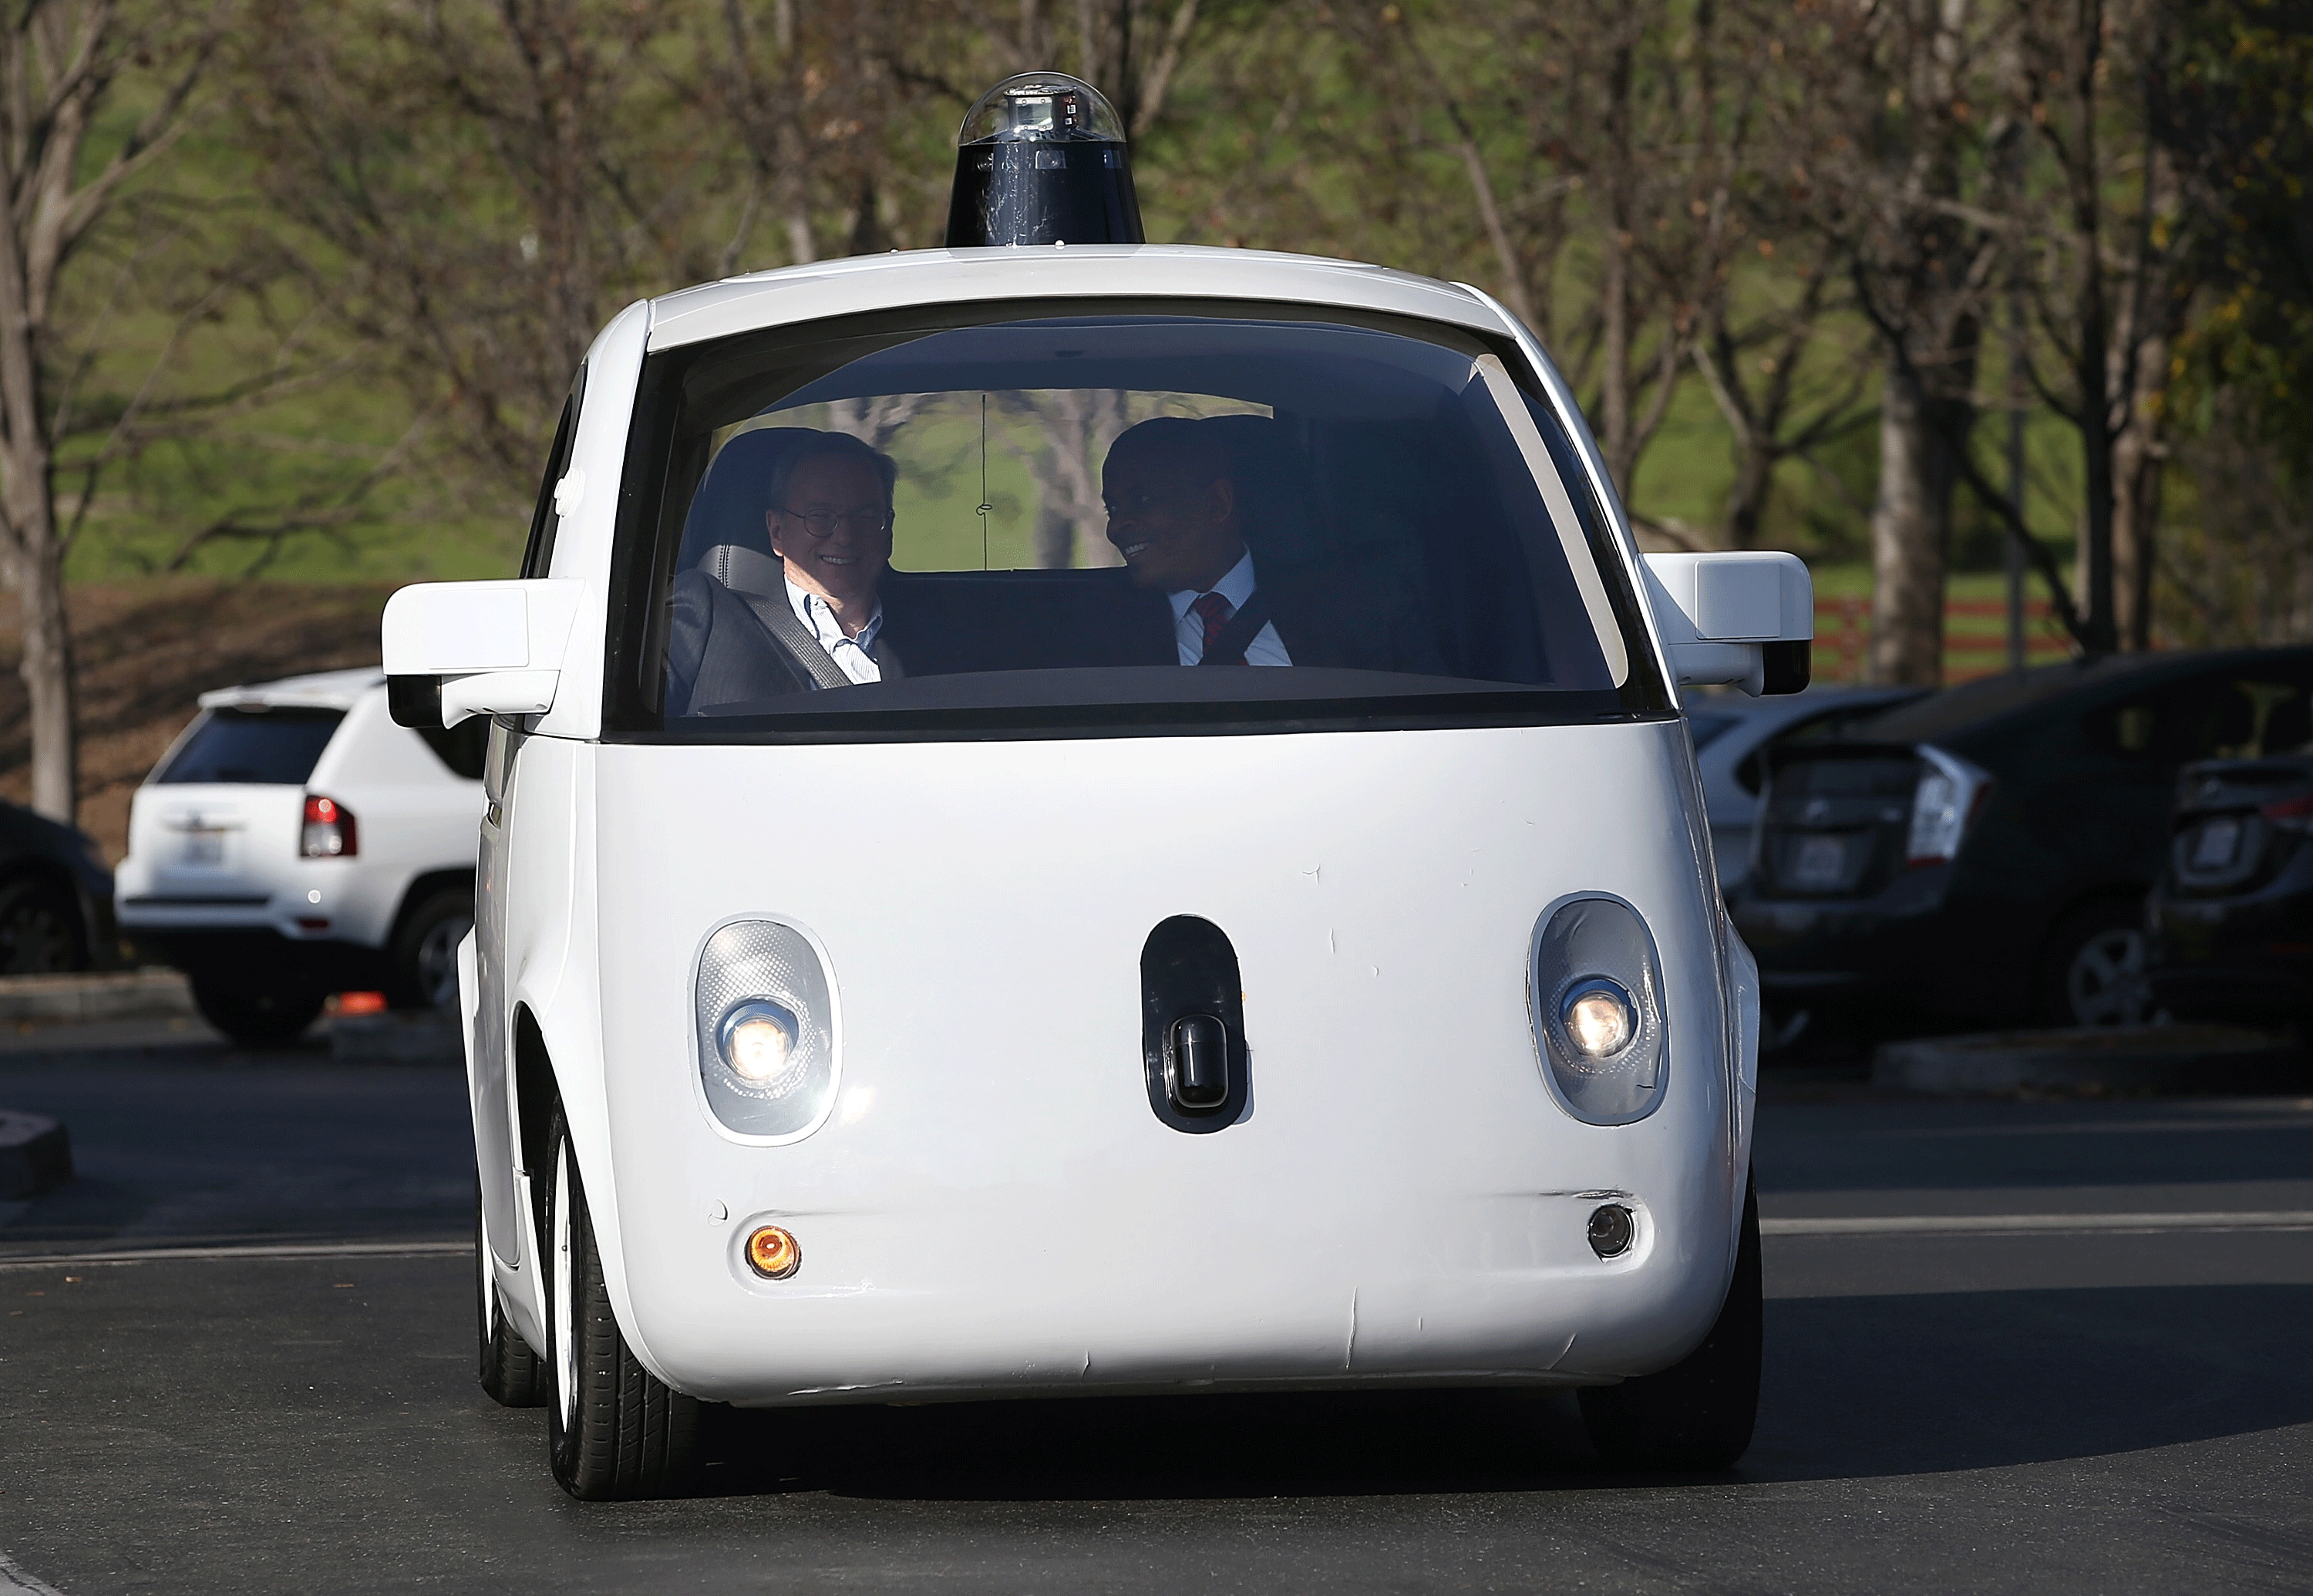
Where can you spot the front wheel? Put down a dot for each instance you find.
(613, 1430)
(1697, 1415)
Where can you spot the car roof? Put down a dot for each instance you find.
(323, 690)
(1999, 697)
(825, 288)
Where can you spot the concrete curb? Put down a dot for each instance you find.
(397, 1038)
(35, 1154)
(2121, 1059)
(128, 994)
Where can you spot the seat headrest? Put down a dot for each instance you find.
(1273, 490)
(728, 509)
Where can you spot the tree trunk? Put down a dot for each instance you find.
(35, 569)
(1055, 541)
(2137, 458)
(47, 668)
(34, 562)
(1615, 279)
(1911, 528)
(1747, 499)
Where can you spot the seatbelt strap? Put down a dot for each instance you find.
(781, 621)
(1237, 635)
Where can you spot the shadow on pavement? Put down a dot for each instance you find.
(180, 1139)
(1956, 1145)
(1856, 1387)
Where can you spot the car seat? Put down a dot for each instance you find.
(725, 533)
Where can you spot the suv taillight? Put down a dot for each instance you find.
(329, 830)
(1950, 793)
(2295, 815)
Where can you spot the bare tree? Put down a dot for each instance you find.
(1596, 164)
(63, 169)
(2110, 245)
(1899, 94)
(474, 189)
(1758, 370)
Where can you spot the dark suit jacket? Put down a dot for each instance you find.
(1340, 616)
(719, 652)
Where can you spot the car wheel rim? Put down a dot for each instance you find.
(565, 1349)
(35, 942)
(438, 960)
(2106, 984)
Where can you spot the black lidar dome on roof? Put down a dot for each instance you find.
(1042, 160)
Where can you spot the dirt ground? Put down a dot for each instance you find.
(148, 649)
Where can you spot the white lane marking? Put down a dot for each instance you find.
(281, 1249)
(16, 1581)
(1973, 1224)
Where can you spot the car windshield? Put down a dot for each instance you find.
(1027, 519)
(258, 746)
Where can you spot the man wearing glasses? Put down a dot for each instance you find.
(831, 526)
(757, 616)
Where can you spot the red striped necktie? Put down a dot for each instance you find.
(1214, 611)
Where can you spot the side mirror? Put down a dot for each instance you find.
(457, 649)
(1741, 618)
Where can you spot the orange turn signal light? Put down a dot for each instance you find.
(773, 1253)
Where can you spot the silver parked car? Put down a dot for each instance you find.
(1732, 733)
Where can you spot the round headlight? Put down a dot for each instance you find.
(1595, 988)
(758, 1040)
(1599, 1016)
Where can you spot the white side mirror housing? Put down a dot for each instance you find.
(455, 649)
(1744, 618)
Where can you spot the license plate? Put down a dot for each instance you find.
(1820, 862)
(2218, 842)
(203, 848)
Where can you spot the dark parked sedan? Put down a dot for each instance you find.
(1983, 856)
(56, 897)
(2231, 919)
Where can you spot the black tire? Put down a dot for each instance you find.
(273, 1019)
(613, 1430)
(511, 1373)
(40, 930)
(1697, 1415)
(2092, 972)
(424, 951)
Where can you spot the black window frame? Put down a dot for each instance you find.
(629, 717)
(545, 524)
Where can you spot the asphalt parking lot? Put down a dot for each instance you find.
(2037, 1345)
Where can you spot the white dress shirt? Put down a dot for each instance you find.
(1188, 628)
(851, 654)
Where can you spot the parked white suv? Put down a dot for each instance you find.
(294, 841)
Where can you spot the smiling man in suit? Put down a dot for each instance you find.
(796, 606)
(1181, 497)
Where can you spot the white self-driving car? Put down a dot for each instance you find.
(296, 841)
(1105, 819)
